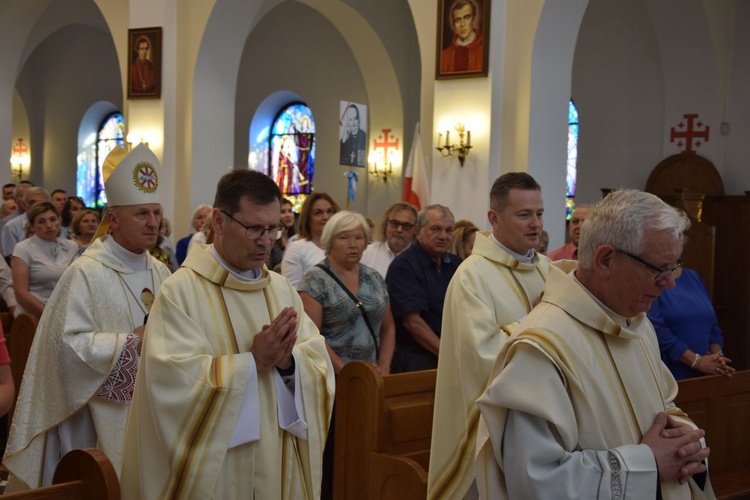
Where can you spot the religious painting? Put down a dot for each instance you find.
(463, 39)
(352, 134)
(144, 66)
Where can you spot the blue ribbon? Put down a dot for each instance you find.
(353, 178)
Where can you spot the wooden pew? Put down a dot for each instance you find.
(383, 432)
(81, 475)
(721, 406)
(384, 424)
(19, 342)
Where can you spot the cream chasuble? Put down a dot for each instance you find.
(607, 387)
(192, 383)
(79, 340)
(490, 291)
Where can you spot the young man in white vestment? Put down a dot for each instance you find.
(80, 375)
(235, 389)
(494, 287)
(580, 404)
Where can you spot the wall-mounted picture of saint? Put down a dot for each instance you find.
(144, 70)
(352, 134)
(463, 38)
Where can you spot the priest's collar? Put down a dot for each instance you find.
(468, 41)
(249, 275)
(526, 259)
(135, 261)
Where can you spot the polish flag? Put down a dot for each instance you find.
(416, 188)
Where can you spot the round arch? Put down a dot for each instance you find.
(216, 72)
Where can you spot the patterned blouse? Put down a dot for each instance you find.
(343, 325)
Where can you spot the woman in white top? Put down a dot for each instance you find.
(39, 261)
(306, 251)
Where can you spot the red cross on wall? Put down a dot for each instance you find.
(19, 148)
(383, 142)
(688, 134)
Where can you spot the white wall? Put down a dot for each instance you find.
(618, 88)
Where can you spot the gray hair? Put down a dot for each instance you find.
(200, 207)
(444, 212)
(622, 220)
(34, 190)
(341, 222)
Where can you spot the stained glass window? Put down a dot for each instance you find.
(290, 151)
(96, 147)
(572, 169)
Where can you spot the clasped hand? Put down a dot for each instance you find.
(273, 345)
(715, 364)
(677, 448)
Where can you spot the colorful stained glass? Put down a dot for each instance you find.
(290, 151)
(572, 170)
(96, 147)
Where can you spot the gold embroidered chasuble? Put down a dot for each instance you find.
(608, 387)
(193, 375)
(77, 344)
(490, 291)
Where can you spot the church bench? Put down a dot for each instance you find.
(19, 341)
(383, 432)
(721, 406)
(384, 425)
(81, 475)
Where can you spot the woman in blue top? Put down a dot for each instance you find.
(689, 336)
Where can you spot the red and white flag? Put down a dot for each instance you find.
(416, 187)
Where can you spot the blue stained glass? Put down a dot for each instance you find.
(290, 151)
(89, 181)
(572, 161)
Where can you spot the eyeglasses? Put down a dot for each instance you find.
(394, 224)
(661, 273)
(255, 233)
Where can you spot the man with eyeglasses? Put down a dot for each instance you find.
(395, 233)
(417, 280)
(579, 404)
(494, 287)
(235, 388)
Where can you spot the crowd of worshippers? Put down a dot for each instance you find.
(219, 380)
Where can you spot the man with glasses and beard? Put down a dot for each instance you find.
(395, 233)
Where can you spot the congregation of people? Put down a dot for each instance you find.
(208, 367)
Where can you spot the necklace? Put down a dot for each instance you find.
(144, 308)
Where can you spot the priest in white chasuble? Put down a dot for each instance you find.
(492, 289)
(81, 370)
(235, 390)
(579, 404)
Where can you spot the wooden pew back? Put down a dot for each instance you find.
(384, 425)
(721, 406)
(81, 475)
(392, 461)
(19, 342)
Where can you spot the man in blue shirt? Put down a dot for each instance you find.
(417, 280)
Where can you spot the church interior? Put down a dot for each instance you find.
(648, 79)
